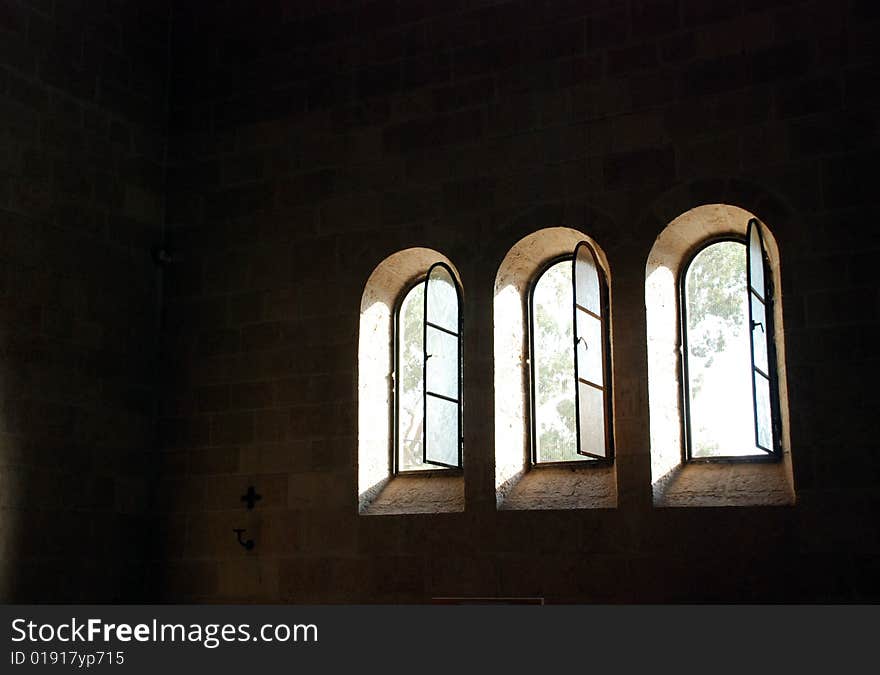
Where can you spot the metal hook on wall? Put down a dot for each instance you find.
(247, 544)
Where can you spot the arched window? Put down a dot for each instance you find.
(568, 352)
(729, 393)
(427, 374)
(716, 362)
(409, 386)
(553, 372)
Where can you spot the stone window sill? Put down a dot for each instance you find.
(433, 492)
(724, 484)
(563, 488)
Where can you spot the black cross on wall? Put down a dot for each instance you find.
(251, 497)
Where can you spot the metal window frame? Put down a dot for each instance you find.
(587, 461)
(425, 393)
(770, 338)
(684, 390)
(606, 365)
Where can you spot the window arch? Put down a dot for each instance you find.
(714, 324)
(550, 282)
(392, 370)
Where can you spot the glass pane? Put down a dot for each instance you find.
(442, 427)
(442, 299)
(762, 406)
(554, 407)
(442, 364)
(587, 280)
(759, 333)
(720, 405)
(591, 405)
(409, 376)
(756, 260)
(589, 348)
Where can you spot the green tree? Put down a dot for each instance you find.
(715, 290)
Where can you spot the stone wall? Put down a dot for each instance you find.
(82, 150)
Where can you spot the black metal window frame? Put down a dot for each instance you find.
(395, 378)
(606, 369)
(774, 454)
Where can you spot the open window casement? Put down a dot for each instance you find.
(442, 369)
(592, 400)
(760, 295)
